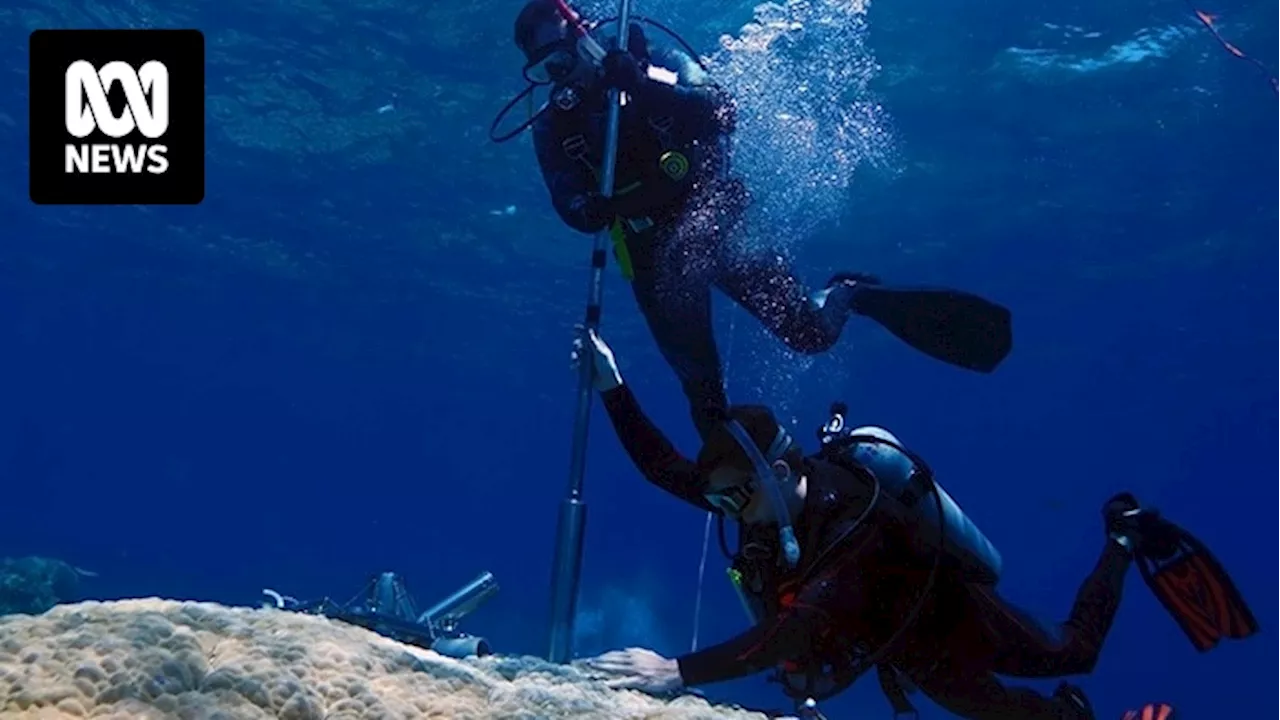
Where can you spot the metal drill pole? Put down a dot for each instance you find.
(571, 528)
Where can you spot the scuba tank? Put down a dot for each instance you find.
(904, 489)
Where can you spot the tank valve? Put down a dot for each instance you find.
(835, 424)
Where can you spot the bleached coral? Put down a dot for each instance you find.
(156, 659)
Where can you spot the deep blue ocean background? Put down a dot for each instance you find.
(353, 356)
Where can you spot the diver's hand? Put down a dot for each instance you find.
(606, 376)
(639, 669)
(622, 71)
(596, 210)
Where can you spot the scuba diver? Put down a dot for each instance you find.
(855, 557)
(676, 212)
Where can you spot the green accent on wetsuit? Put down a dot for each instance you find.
(620, 252)
(735, 577)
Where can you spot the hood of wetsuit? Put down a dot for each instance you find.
(721, 449)
(538, 27)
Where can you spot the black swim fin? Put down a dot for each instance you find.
(1191, 584)
(953, 326)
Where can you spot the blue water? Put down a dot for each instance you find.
(353, 357)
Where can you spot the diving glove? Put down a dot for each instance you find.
(622, 71)
(596, 210)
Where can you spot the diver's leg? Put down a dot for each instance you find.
(1026, 648)
(982, 696)
(676, 304)
(764, 284)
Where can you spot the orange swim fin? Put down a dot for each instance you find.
(1193, 586)
(1151, 711)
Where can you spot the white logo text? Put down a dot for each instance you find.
(150, 117)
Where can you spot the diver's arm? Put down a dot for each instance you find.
(694, 93)
(787, 636)
(759, 648)
(762, 647)
(568, 182)
(709, 104)
(654, 455)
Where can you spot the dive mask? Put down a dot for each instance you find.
(553, 64)
(733, 499)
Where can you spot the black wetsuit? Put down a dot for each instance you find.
(693, 243)
(864, 590)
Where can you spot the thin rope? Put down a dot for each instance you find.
(1207, 20)
(702, 573)
(706, 529)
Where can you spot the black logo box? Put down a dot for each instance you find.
(183, 54)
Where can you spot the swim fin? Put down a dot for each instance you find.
(953, 326)
(1151, 711)
(1192, 585)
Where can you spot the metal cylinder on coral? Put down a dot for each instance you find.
(461, 603)
(461, 647)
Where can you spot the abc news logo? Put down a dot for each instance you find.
(146, 93)
(117, 117)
